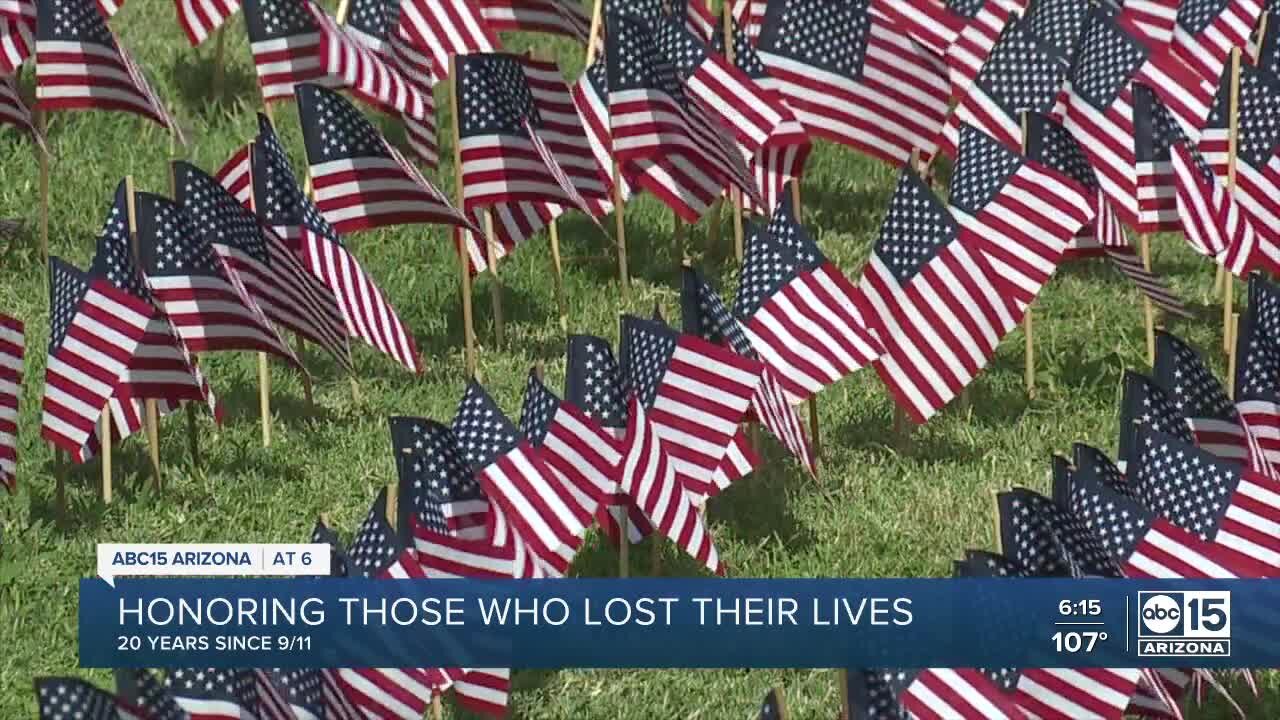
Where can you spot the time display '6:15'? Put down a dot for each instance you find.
(1080, 608)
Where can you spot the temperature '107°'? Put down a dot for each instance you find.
(1074, 641)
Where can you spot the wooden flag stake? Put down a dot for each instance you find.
(620, 229)
(1233, 147)
(495, 281)
(468, 326)
(735, 195)
(814, 433)
(1148, 309)
(558, 276)
(593, 37)
(842, 676)
(1231, 355)
(437, 711)
(219, 61)
(153, 414)
(340, 15)
(104, 432)
(393, 504)
(264, 371)
(780, 694)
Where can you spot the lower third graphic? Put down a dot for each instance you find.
(1184, 624)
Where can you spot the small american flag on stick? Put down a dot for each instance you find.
(1200, 398)
(1207, 30)
(557, 17)
(214, 693)
(12, 347)
(63, 697)
(200, 18)
(17, 42)
(437, 488)
(1257, 380)
(285, 42)
(14, 112)
(444, 28)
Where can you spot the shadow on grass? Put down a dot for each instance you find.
(194, 75)
(84, 512)
(758, 507)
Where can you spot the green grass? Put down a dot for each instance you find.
(875, 512)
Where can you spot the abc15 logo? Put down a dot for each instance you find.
(1199, 614)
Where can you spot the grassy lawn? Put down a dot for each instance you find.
(875, 512)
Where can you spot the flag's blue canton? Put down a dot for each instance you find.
(767, 265)
(1106, 61)
(1116, 521)
(1259, 372)
(338, 556)
(72, 21)
(373, 17)
(706, 315)
(965, 8)
(771, 709)
(647, 348)
(73, 699)
(484, 433)
(1196, 393)
(272, 19)
(1058, 22)
(433, 472)
(1184, 484)
(983, 168)
(896, 682)
(1155, 129)
(828, 34)
(208, 205)
(113, 259)
(1269, 53)
(745, 56)
(1195, 16)
(277, 197)
(647, 10)
(598, 76)
(494, 96)
(636, 63)
(1146, 404)
(235, 686)
(302, 689)
(680, 47)
(167, 243)
(1022, 73)
(1093, 465)
(916, 229)
(156, 702)
(980, 563)
(333, 128)
(1259, 132)
(1051, 145)
(540, 405)
(67, 288)
(376, 546)
(593, 381)
(1048, 540)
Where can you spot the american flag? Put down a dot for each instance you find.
(1151, 21)
(1019, 213)
(148, 693)
(200, 18)
(798, 310)
(274, 277)
(705, 315)
(1257, 188)
(17, 41)
(1049, 540)
(65, 698)
(591, 99)
(1213, 222)
(1200, 398)
(1207, 31)
(749, 15)
(80, 65)
(780, 160)
(558, 17)
(1257, 380)
(518, 481)
(12, 346)
(14, 112)
(285, 42)
(582, 456)
(236, 174)
(1059, 23)
(1263, 49)
(444, 28)
(1156, 134)
(161, 367)
(1145, 404)
(975, 27)
(525, 153)
(654, 123)
(1093, 464)
(449, 556)
(593, 382)
(373, 23)
(952, 694)
(360, 181)
(1145, 544)
(365, 309)
(1022, 75)
(1232, 509)
(1103, 113)
(214, 693)
(437, 487)
(870, 696)
(932, 300)
(1049, 144)
(694, 395)
(771, 708)
(298, 695)
(206, 300)
(854, 77)
(323, 534)
(94, 331)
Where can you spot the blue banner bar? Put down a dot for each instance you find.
(678, 623)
